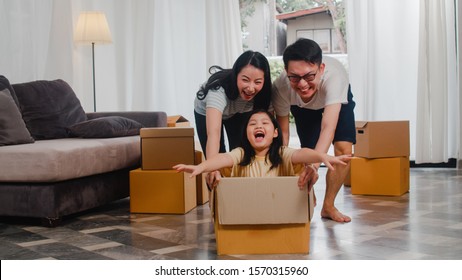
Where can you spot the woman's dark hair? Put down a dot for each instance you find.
(227, 78)
(273, 154)
(303, 49)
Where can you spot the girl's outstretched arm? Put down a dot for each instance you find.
(217, 162)
(308, 156)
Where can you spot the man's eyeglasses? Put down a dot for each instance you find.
(308, 77)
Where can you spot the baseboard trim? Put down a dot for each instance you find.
(452, 163)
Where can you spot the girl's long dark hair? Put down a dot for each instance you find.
(227, 78)
(273, 154)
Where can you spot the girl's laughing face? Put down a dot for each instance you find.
(261, 132)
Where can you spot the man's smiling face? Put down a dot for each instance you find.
(304, 78)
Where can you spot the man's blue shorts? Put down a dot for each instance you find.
(308, 123)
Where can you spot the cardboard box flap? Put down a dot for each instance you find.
(177, 120)
(360, 124)
(166, 132)
(270, 200)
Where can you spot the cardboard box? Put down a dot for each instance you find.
(177, 121)
(381, 176)
(202, 192)
(262, 216)
(161, 191)
(378, 139)
(162, 148)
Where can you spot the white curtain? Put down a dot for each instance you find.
(385, 66)
(223, 32)
(459, 77)
(437, 100)
(160, 54)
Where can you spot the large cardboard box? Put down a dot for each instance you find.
(378, 139)
(262, 216)
(177, 121)
(202, 192)
(381, 176)
(162, 148)
(161, 191)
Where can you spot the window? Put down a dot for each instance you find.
(326, 38)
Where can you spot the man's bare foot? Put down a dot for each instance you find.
(335, 215)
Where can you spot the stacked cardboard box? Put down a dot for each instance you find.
(261, 216)
(162, 148)
(381, 162)
(156, 187)
(161, 191)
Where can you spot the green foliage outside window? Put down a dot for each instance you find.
(276, 67)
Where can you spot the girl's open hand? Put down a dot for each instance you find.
(345, 158)
(329, 161)
(193, 169)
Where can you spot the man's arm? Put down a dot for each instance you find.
(329, 121)
(284, 126)
(328, 126)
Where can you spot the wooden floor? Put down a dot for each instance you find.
(425, 223)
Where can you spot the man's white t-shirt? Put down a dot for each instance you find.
(332, 89)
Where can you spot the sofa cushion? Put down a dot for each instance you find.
(68, 158)
(106, 127)
(48, 108)
(5, 84)
(12, 127)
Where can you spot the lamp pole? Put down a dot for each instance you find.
(92, 28)
(94, 86)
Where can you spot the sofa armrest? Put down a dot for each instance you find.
(146, 118)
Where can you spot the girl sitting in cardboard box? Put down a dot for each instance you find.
(261, 153)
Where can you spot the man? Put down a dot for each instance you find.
(316, 91)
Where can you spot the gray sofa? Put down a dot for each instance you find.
(57, 160)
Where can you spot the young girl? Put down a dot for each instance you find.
(261, 153)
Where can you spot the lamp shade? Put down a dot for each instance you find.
(92, 27)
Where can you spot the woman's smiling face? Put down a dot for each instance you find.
(261, 132)
(250, 81)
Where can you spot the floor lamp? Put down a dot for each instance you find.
(92, 28)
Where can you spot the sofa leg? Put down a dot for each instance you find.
(51, 222)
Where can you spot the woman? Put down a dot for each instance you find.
(226, 99)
